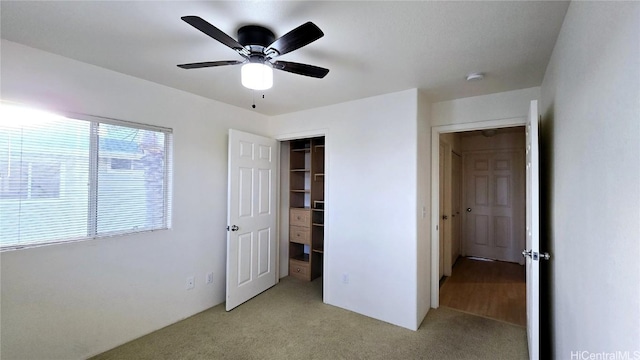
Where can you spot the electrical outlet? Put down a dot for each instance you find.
(345, 278)
(210, 278)
(191, 282)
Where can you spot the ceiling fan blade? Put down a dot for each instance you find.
(202, 25)
(296, 38)
(301, 69)
(209, 64)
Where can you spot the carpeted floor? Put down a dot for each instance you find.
(290, 321)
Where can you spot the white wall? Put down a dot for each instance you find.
(591, 167)
(76, 300)
(505, 105)
(370, 232)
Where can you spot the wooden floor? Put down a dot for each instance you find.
(493, 289)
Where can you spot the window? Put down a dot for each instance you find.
(80, 177)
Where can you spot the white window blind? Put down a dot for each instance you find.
(65, 179)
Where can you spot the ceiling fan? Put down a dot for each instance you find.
(259, 48)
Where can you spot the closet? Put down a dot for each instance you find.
(306, 208)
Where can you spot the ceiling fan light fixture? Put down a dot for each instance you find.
(257, 76)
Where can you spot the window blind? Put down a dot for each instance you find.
(65, 179)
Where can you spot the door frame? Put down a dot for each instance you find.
(435, 186)
(327, 198)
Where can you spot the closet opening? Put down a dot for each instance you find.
(302, 210)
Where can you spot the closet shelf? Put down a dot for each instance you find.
(301, 257)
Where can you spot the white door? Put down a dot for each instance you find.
(251, 216)
(533, 228)
(493, 196)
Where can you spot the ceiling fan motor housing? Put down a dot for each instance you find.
(255, 35)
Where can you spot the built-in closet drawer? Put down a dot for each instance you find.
(300, 217)
(299, 269)
(300, 235)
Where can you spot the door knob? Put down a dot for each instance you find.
(468, 209)
(233, 228)
(535, 255)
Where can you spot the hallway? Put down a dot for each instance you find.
(493, 289)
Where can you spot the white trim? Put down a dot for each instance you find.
(111, 121)
(168, 183)
(303, 135)
(277, 195)
(435, 187)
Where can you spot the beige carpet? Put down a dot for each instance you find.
(290, 321)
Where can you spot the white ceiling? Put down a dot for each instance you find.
(370, 47)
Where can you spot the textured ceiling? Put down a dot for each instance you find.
(371, 47)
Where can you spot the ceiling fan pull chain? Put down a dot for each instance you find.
(253, 98)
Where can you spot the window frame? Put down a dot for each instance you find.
(92, 208)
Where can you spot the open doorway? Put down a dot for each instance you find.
(480, 208)
(302, 207)
(482, 223)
